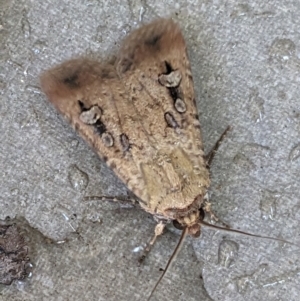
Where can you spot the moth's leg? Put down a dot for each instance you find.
(209, 157)
(207, 209)
(159, 228)
(122, 200)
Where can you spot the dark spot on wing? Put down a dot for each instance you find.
(126, 63)
(171, 121)
(82, 107)
(107, 139)
(107, 73)
(180, 105)
(112, 165)
(177, 225)
(174, 93)
(72, 81)
(99, 127)
(168, 68)
(153, 40)
(124, 140)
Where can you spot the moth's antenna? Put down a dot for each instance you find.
(246, 233)
(171, 259)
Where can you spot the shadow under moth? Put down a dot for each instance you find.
(139, 114)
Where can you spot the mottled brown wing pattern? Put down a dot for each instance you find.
(78, 86)
(139, 114)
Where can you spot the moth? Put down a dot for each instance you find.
(139, 114)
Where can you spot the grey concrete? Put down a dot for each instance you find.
(245, 61)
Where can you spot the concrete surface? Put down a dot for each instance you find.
(245, 61)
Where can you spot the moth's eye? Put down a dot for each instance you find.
(177, 225)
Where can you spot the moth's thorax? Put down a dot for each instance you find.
(174, 183)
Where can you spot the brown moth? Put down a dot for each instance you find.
(139, 114)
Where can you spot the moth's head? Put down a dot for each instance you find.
(194, 230)
(191, 222)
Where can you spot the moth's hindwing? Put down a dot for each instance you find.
(139, 114)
